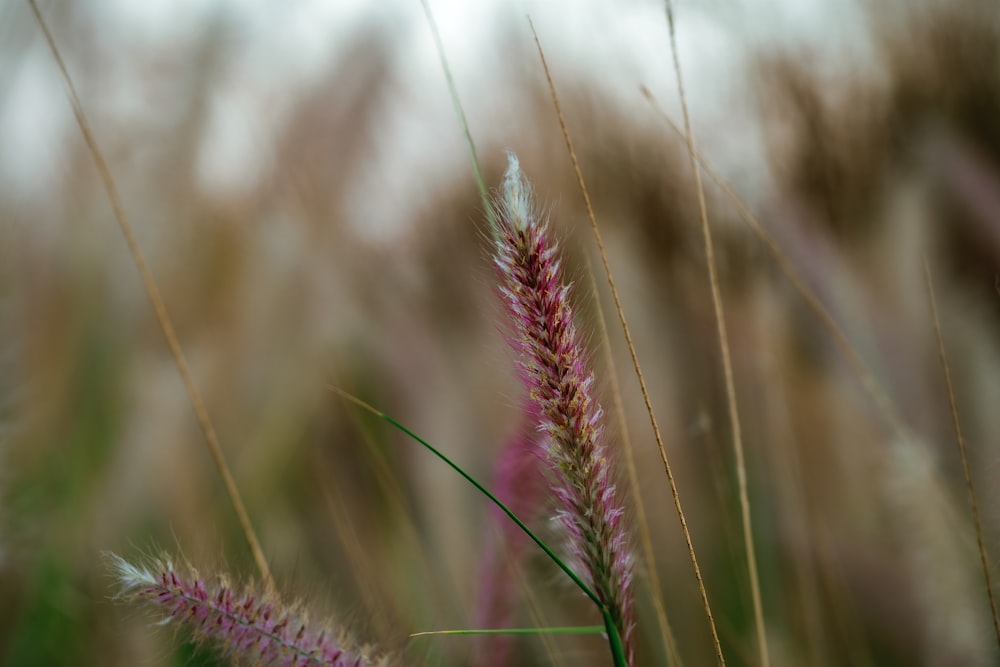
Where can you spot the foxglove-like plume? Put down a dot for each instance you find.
(249, 628)
(553, 365)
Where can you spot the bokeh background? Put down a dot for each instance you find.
(297, 178)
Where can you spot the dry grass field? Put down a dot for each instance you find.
(321, 227)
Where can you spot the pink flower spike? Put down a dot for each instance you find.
(249, 628)
(554, 368)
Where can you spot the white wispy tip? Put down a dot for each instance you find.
(131, 576)
(516, 193)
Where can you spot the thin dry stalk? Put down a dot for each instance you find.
(537, 614)
(392, 490)
(632, 353)
(373, 595)
(861, 368)
(162, 317)
(666, 633)
(727, 366)
(792, 496)
(960, 439)
(484, 195)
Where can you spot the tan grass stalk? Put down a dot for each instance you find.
(484, 195)
(162, 317)
(727, 366)
(392, 490)
(371, 583)
(536, 613)
(631, 348)
(960, 439)
(649, 557)
(857, 363)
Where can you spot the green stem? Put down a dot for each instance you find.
(614, 639)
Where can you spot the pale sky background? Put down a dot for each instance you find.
(280, 48)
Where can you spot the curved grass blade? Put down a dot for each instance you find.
(614, 639)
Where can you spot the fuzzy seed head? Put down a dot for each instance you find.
(515, 194)
(554, 368)
(250, 628)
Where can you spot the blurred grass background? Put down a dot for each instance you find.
(314, 221)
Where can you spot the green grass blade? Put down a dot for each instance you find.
(570, 630)
(614, 639)
(482, 489)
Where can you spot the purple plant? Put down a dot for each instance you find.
(248, 627)
(554, 368)
(519, 483)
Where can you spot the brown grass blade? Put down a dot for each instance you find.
(631, 348)
(727, 366)
(960, 439)
(162, 317)
(860, 367)
(649, 557)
